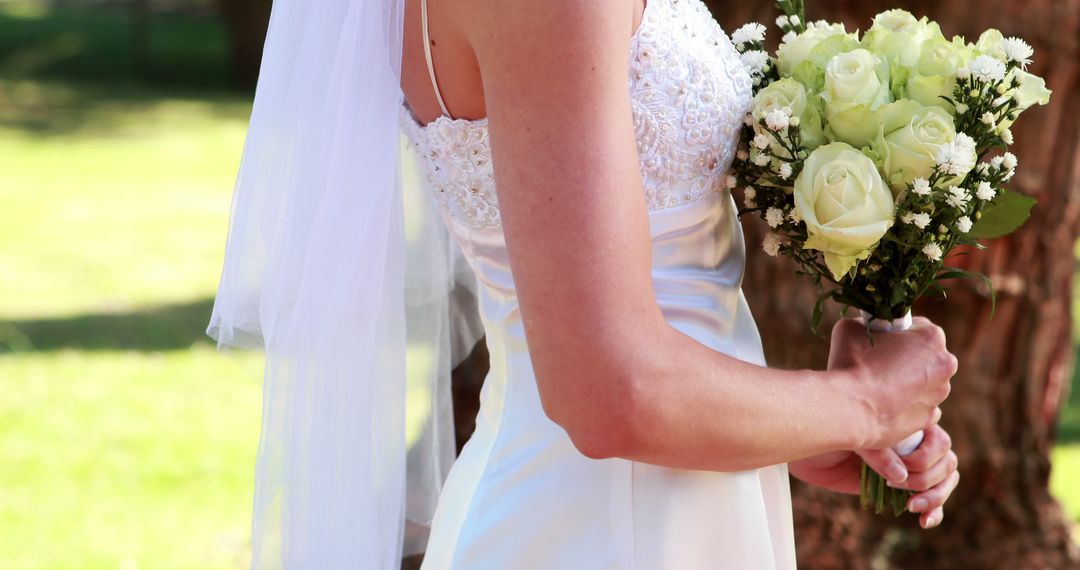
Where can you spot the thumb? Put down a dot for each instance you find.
(886, 463)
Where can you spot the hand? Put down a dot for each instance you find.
(930, 469)
(900, 379)
(931, 473)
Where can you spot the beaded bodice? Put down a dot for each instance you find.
(689, 93)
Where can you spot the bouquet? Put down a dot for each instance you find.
(870, 158)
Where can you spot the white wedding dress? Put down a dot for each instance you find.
(521, 496)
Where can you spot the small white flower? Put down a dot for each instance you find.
(760, 159)
(985, 191)
(958, 197)
(748, 197)
(785, 171)
(1006, 136)
(1017, 50)
(755, 61)
(742, 154)
(748, 33)
(1008, 160)
(921, 220)
(782, 21)
(778, 119)
(988, 118)
(996, 162)
(774, 217)
(748, 120)
(789, 37)
(958, 157)
(999, 101)
(961, 108)
(794, 20)
(772, 243)
(987, 68)
(920, 186)
(794, 121)
(731, 182)
(963, 224)
(762, 141)
(794, 216)
(963, 73)
(933, 251)
(908, 218)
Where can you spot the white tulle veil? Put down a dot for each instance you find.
(339, 267)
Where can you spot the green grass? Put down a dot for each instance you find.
(128, 441)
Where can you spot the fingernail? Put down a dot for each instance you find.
(896, 472)
(932, 521)
(918, 505)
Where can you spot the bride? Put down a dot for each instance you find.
(576, 155)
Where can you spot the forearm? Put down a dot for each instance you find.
(700, 409)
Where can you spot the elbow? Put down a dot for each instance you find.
(602, 418)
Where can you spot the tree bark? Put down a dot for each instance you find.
(246, 21)
(1013, 369)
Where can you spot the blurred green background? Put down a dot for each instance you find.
(126, 440)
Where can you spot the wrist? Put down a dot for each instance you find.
(850, 415)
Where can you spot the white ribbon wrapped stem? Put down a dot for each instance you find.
(909, 444)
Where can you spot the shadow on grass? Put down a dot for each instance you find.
(164, 327)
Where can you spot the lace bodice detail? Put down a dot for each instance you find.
(689, 93)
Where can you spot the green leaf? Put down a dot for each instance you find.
(1001, 217)
(819, 311)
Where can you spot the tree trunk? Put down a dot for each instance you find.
(1013, 368)
(246, 21)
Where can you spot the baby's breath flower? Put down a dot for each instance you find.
(778, 119)
(760, 159)
(961, 108)
(1017, 50)
(996, 162)
(987, 68)
(748, 33)
(920, 186)
(762, 141)
(963, 224)
(958, 157)
(774, 217)
(1008, 160)
(958, 197)
(794, 216)
(985, 191)
(748, 197)
(908, 217)
(772, 243)
(988, 118)
(1006, 136)
(794, 20)
(755, 61)
(782, 21)
(999, 101)
(963, 73)
(731, 182)
(982, 168)
(921, 220)
(785, 171)
(933, 251)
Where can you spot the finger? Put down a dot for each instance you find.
(936, 443)
(926, 480)
(887, 463)
(928, 500)
(932, 519)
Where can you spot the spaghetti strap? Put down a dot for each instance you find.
(427, 55)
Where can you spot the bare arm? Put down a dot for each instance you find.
(610, 370)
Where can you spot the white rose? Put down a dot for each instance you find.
(899, 36)
(797, 49)
(791, 95)
(911, 136)
(845, 204)
(856, 84)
